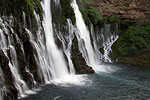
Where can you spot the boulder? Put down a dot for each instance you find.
(78, 61)
(87, 70)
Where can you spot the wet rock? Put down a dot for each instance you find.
(20, 31)
(23, 66)
(12, 93)
(87, 70)
(24, 35)
(4, 62)
(78, 60)
(30, 55)
(59, 43)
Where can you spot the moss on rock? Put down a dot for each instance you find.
(90, 16)
(67, 11)
(78, 60)
(16, 7)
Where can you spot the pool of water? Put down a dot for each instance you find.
(111, 82)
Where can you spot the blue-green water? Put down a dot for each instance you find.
(120, 82)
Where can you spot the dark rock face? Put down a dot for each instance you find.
(78, 60)
(32, 61)
(130, 10)
(12, 93)
(27, 62)
(22, 66)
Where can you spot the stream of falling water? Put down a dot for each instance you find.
(90, 51)
(58, 65)
(13, 63)
(83, 36)
(67, 44)
(52, 64)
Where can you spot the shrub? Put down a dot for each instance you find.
(134, 41)
(90, 16)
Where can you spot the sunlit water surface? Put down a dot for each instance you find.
(111, 82)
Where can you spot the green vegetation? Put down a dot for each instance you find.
(16, 7)
(38, 8)
(133, 42)
(89, 13)
(90, 16)
(113, 19)
(67, 11)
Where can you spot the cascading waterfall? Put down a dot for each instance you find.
(67, 44)
(49, 58)
(107, 48)
(90, 51)
(21, 85)
(40, 48)
(104, 39)
(98, 54)
(83, 36)
(13, 63)
(56, 60)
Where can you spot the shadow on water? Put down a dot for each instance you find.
(122, 83)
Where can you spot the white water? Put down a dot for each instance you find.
(66, 40)
(80, 80)
(91, 53)
(104, 40)
(107, 48)
(13, 63)
(52, 65)
(49, 57)
(20, 84)
(55, 56)
(83, 36)
(98, 54)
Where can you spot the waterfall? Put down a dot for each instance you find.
(20, 84)
(104, 40)
(49, 61)
(98, 54)
(67, 44)
(107, 48)
(88, 49)
(55, 57)
(83, 36)
(6, 43)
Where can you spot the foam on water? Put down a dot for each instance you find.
(104, 68)
(79, 80)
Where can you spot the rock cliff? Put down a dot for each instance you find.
(129, 10)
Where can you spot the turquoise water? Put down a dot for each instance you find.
(122, 82)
